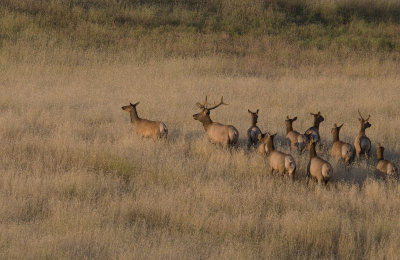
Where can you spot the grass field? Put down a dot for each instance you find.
(77, 183)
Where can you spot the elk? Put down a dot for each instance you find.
(253, 131)
(317, 168)
(146, 128)
(362, 143)
(313, 131)
(385, 166)
(224, 135)
(297, 140)
(340, 150)
(278, 161)
(262, 148)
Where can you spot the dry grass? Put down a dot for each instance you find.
(76, 182)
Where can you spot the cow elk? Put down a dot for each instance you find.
(317, 168)
(297, 141)
(262, 148)
(146, 128)
(362, 143)
(224, 135)
(385, 166)
(313, 132)
(278, 161)
(253, 131)
(340, 150)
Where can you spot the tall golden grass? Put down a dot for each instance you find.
(76, 182)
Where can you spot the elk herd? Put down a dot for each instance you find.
(317, 168)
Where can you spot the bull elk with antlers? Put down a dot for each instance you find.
(146, 128)
(225, 135)
(362, 143)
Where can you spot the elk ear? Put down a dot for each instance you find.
(137, 103)
(248, 110)
(341, 125)
(199, 105)
(287, 117)
(360, 119)
(295, 118)
(257, 112)
(334, 125)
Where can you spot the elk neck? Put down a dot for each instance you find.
(253, 121)
(134, 116)
(335, 135)
(316, 124)
(313, 153)
(379, 154)
(270, 145)
(289, 128)
(206, 121)
(362, 130)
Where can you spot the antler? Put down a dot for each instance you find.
(220, 103)
(360, 114)
(362, 117)
(203, 105)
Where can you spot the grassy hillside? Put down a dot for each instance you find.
(203, 27)
(76, 182)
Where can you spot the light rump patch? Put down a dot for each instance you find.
(340, 150)
(278, 161)
(144, 127)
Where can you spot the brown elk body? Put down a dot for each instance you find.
(297, 140)
(362, 144)
(146, 128)
(317, 168)
(313, 132)
(278, 161)
(224, 135)
(340, 150)
(253, 131)
(385, 166)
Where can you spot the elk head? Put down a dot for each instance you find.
(267, 139)
(336, 130)
(318, 118)
(204, 115)
(289, 122)
(311, 142)
(130, 107)
(364, 122)
(254, 116)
